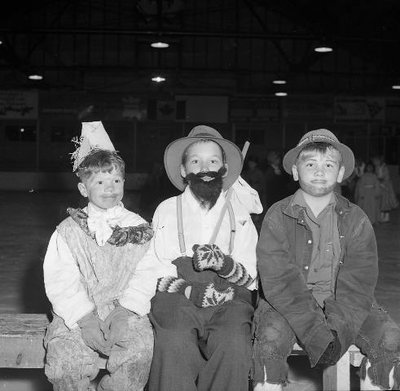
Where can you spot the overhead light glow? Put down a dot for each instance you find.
(158, 79)
(35, 77)
(159, 45)
(279, 81)
(281, 93)
(396, 86)
(323, 49)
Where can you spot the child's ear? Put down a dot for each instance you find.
(227, 169)
(183, 171)
(340, 175)
(295, 173)
(82, 189)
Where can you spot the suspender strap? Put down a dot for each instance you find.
(181, 236)
(227, 205)
(233, 228)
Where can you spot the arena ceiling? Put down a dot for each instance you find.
(217, 46)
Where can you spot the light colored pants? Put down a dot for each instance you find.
(71, 365)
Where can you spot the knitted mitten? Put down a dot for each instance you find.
(210, 256)
(201, 295)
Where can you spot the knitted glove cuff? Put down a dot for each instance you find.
(227, 268)
(235, 273)
(208, 295)
(172, 284)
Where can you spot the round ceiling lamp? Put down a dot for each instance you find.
(159, 45)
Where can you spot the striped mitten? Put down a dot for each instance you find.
(202, 294)
(210, 257)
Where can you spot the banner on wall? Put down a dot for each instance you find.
(251, 109)
(18, 104)
(359, 109)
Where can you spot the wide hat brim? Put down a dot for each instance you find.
(174, 151)
(347, 154)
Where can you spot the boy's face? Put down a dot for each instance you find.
(318, 172)
(103, 189)
(203, 157)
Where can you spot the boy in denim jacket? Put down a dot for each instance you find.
(318, 265)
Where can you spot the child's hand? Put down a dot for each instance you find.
(92, 333)
(201, 294)
(116, 325)
(331, 354)
(208, 295)
(208, 256)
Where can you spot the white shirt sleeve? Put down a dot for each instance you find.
(63, 284)
(244, 251)
(142, 286)
(244, 194)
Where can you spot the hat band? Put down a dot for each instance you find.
(204, 135)
(316, 138)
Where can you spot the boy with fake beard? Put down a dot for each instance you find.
(199, 271)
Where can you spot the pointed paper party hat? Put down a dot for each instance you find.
(93, 136)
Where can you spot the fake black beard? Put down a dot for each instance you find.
(206, 192)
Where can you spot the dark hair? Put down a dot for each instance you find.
(202, 140)
(100, 160)
(320, 146)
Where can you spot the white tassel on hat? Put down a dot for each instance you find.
(93, 136)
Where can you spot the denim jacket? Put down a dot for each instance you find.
(283, 257)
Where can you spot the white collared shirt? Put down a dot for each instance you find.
(198, 227)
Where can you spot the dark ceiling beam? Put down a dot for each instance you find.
(275, 41)
(176, 33)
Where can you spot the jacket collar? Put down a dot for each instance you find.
(296, 211)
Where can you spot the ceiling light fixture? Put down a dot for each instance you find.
(323, 46)
(396, 86)
(323, 49)
(279, 81)
(35, 76)
(158, 79)
(281, 93)
(159, 45)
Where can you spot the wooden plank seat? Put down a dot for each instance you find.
(337, 377)
(21, 346)
(21, 341)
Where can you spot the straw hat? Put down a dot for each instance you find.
(174, 151)
(320, 135)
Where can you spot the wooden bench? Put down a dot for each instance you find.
(21, 346)
(21, 341)
(337, 377)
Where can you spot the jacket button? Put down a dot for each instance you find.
(309, 241)
(306, 267)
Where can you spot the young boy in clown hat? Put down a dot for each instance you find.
(88, 263)
(318, 266)
(201, 269)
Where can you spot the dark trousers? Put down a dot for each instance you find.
(202, 349)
